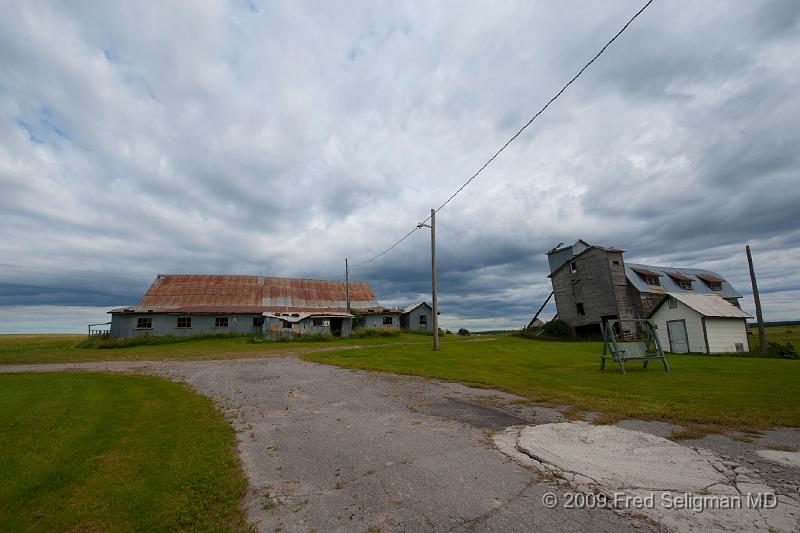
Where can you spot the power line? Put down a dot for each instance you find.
(389, 249)
(517, 134)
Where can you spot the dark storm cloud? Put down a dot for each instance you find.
(277, 139)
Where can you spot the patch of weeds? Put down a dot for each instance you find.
(782, 447)
(605, 419)
(370, 472)
(573, 414)
(743, 438)
(695, 431)
(521, 401)
(339, 485)
(412, 408)
(104, 343)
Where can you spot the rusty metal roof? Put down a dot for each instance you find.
(249, 294)
(645, 272)
(679, 277)
(710, 278)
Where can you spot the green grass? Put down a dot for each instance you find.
(781, 334)
(105, 452)
(22, 349)
(741, 393)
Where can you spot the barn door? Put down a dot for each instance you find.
(678, 343)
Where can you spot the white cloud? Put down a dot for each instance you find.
(279, 138)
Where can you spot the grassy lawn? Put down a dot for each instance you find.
(743, 393)
(781, 334)
(103, 452)
(21, 349)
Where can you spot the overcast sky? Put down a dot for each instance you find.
(249, 137)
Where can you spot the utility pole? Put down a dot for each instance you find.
(347, 284)
(432, 226)
(762, 338)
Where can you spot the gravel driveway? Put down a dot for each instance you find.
(330, 449)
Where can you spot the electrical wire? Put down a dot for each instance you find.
(514, 137)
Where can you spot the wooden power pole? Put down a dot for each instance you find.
(432, 226)
(762, 337)
(347, 284)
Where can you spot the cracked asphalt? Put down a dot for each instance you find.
(331, 449)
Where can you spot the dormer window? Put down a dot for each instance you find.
(573, 266)
(649, 277)
(682, 280)
(713, 281)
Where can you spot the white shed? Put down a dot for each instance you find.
(700, 323)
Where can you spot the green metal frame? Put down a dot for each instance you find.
(648, 349)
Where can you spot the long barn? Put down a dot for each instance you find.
(187, 305)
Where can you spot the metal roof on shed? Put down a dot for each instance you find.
(710, 305)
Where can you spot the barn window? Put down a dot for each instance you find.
(318, 322)
(258, 321)
(573, 266)
(685, 285)
(221, 322)
(672, 303)
(615, 261)
(285, 324)
(387, 321)
(143, 322)
(579, 309)
(715, 285)
(423, 320)
(184, 322)
(652, 280)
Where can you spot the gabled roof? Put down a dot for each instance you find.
(410, 308)
(669, 278)
(557, 262)
(708, 305)
(248, 294)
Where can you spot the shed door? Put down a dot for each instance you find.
(677, 336)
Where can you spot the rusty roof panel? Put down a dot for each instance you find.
(679, 277)
(645, 272)
(245, 294)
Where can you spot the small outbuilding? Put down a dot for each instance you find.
(700, 323)
(290, 325)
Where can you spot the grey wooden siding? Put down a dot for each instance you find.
(376, 321)
(124, 326)
(410, 320)
(591, 286)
